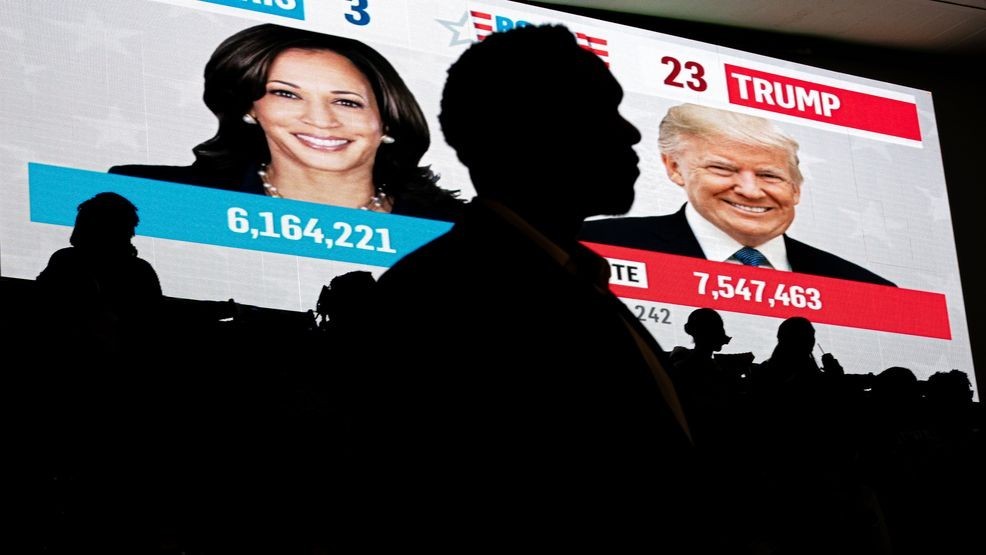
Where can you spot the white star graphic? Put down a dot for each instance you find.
(937, 205)
(94, 32)
(926, 120)
(875, 149)
(806, 162)
(15, 154)
(948, 282)
(456, 28)
(940, 279)
(11, 32)
(187, 93)
(871, 223)
(115, 129)
(176, 12)
(27, 70)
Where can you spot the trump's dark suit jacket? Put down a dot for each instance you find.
(671, 234)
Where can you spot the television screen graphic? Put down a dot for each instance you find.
(153, 100)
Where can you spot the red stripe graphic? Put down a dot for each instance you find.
(697, 282)
(795, 97)
(482, 22)
(590, 43)
(592, 40)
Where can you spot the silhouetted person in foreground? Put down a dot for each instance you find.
(99, 287)
(514, 397)
(102, 402)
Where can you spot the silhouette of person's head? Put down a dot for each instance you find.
(707, 330)
(345, 297)
(951, 388)
(896, 378)
(535, 119)
(796, 335)
(895, 389)
(107, 221)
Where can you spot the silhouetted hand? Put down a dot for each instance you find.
(830, 365)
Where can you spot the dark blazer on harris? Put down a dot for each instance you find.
(420, 200)
(671, 234)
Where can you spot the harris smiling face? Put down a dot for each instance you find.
(739, 172)
(320, 113)
(238, 75)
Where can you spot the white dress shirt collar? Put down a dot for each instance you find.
(719, 246)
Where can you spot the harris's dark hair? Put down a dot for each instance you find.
(236, 76)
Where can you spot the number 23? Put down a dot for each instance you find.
(696, 73)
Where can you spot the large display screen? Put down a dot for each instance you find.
(90, 86)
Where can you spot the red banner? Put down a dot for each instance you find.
(804, 99)
(683, 280)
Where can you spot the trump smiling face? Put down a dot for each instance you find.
(745, 190)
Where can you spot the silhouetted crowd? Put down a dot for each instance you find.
(224, 428)
(821, 460)
(541, 417)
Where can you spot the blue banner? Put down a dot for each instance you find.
(231, 219)
(295, 9)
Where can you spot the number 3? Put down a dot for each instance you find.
(361, 17)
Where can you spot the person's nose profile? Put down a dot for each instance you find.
(633, 134)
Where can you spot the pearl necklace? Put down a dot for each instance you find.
(375, 203)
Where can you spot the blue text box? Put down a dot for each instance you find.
(295, 9)
(232, 219)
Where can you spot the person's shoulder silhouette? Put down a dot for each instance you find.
(100, 279)
(504, 370)
(791, 366)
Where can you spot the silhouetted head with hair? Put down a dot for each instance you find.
(707, 330)
(107, 221)
(949, 388)
(346, 296)
(896, 392)
(895, 379)
(796, 334)
(535, 119)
